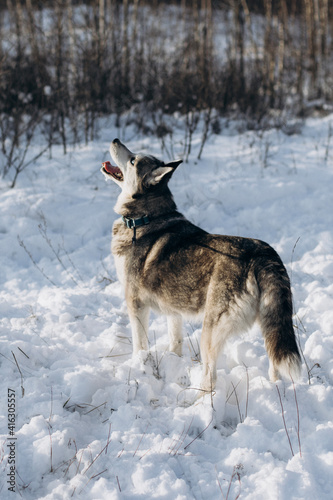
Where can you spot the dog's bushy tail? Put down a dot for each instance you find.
(275, 317)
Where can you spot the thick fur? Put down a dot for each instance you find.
(182, 271)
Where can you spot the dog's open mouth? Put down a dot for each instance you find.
(115, 172)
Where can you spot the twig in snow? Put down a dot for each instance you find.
(284, 422)
(19, 369)
(156, 366)
(51, 448)
(199, 435)
(300, 346)
(21, 243)
(296, 326)
(234, 474)
(70, 260)
(108, 441)
(19, 348)
(237, 401)
(73, 459)
(79, 462)
(145, 453)
(97, 456)
(330, 133)
(95, 408)
(92, 477)
(298, 419)
(43, 231)
(247, 390)
(235, 387)
(51, 410)
(292, 258)
(140, 440)
(218, 482)
(316, 365)
(180, 440)
(98, 474)
(118, 483)
(196, 351)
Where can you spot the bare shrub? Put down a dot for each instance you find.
(70, 63)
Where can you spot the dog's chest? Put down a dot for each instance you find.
(121, 238)
(120, 263)
(120, 245)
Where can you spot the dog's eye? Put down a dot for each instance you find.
(132, 160)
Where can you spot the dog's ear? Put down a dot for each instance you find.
(158, 174)
(174, 164)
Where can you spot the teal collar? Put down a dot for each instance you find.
(134, 223)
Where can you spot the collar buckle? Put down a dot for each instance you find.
(134, 223)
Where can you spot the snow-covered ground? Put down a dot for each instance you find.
(92, 423)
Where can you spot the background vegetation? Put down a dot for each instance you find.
(64, 63)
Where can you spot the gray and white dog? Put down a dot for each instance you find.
(170, 265)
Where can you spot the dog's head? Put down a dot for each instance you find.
(137, 174)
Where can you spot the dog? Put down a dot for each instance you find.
(168, 264)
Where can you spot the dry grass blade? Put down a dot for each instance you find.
(21, 375)
(199, 435)
(284, 421)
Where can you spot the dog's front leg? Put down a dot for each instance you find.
(175, 334)
(139, 318)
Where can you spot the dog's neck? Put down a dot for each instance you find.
(152, 204)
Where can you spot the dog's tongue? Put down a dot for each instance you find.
(108, 167)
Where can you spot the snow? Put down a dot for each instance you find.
(92, 423)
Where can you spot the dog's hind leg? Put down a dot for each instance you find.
(175, 334)
(139, 318)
